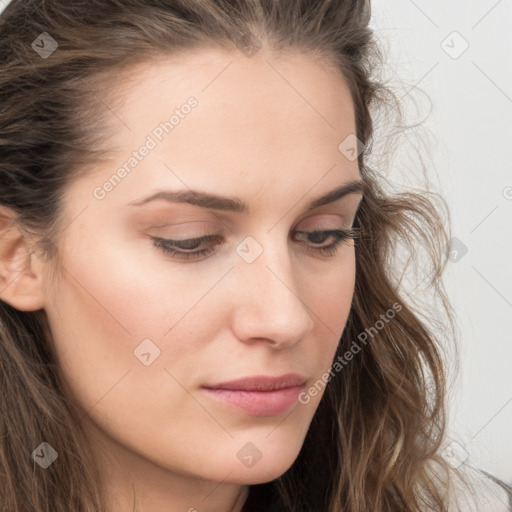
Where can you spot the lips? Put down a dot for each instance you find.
(261, 383)
(260, 395)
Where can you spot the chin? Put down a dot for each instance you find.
(269, 467)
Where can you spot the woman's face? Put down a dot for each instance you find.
(140, 332)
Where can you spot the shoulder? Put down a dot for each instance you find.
(479, 492)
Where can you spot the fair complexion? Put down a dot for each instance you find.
(266, 130)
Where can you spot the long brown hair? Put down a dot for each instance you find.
(374, 441)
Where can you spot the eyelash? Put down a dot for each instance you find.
(340, 235)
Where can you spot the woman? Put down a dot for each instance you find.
(200, 306)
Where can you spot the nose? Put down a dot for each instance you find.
(268, 305)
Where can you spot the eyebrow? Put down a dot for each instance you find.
(235, 204)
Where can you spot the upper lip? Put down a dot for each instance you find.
(261, 383)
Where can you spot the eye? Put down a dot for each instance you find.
(183, 249)
(339, 236)
(173, 247)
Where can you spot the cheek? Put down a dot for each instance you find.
(330, 302)
(105, 305)
(329, 298)
(105, 309)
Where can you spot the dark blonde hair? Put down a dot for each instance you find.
(374, 441)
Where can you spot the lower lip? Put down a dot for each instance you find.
(258, 403)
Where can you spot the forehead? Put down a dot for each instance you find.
(286, 94)
(272, 116)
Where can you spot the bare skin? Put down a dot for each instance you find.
(265, 129)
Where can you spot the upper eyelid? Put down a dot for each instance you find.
(310, 218)
(216, 234)
(212, 237)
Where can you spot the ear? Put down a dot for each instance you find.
(21, 283)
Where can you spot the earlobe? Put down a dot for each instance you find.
(20, 270)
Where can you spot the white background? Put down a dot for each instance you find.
(470, 146)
